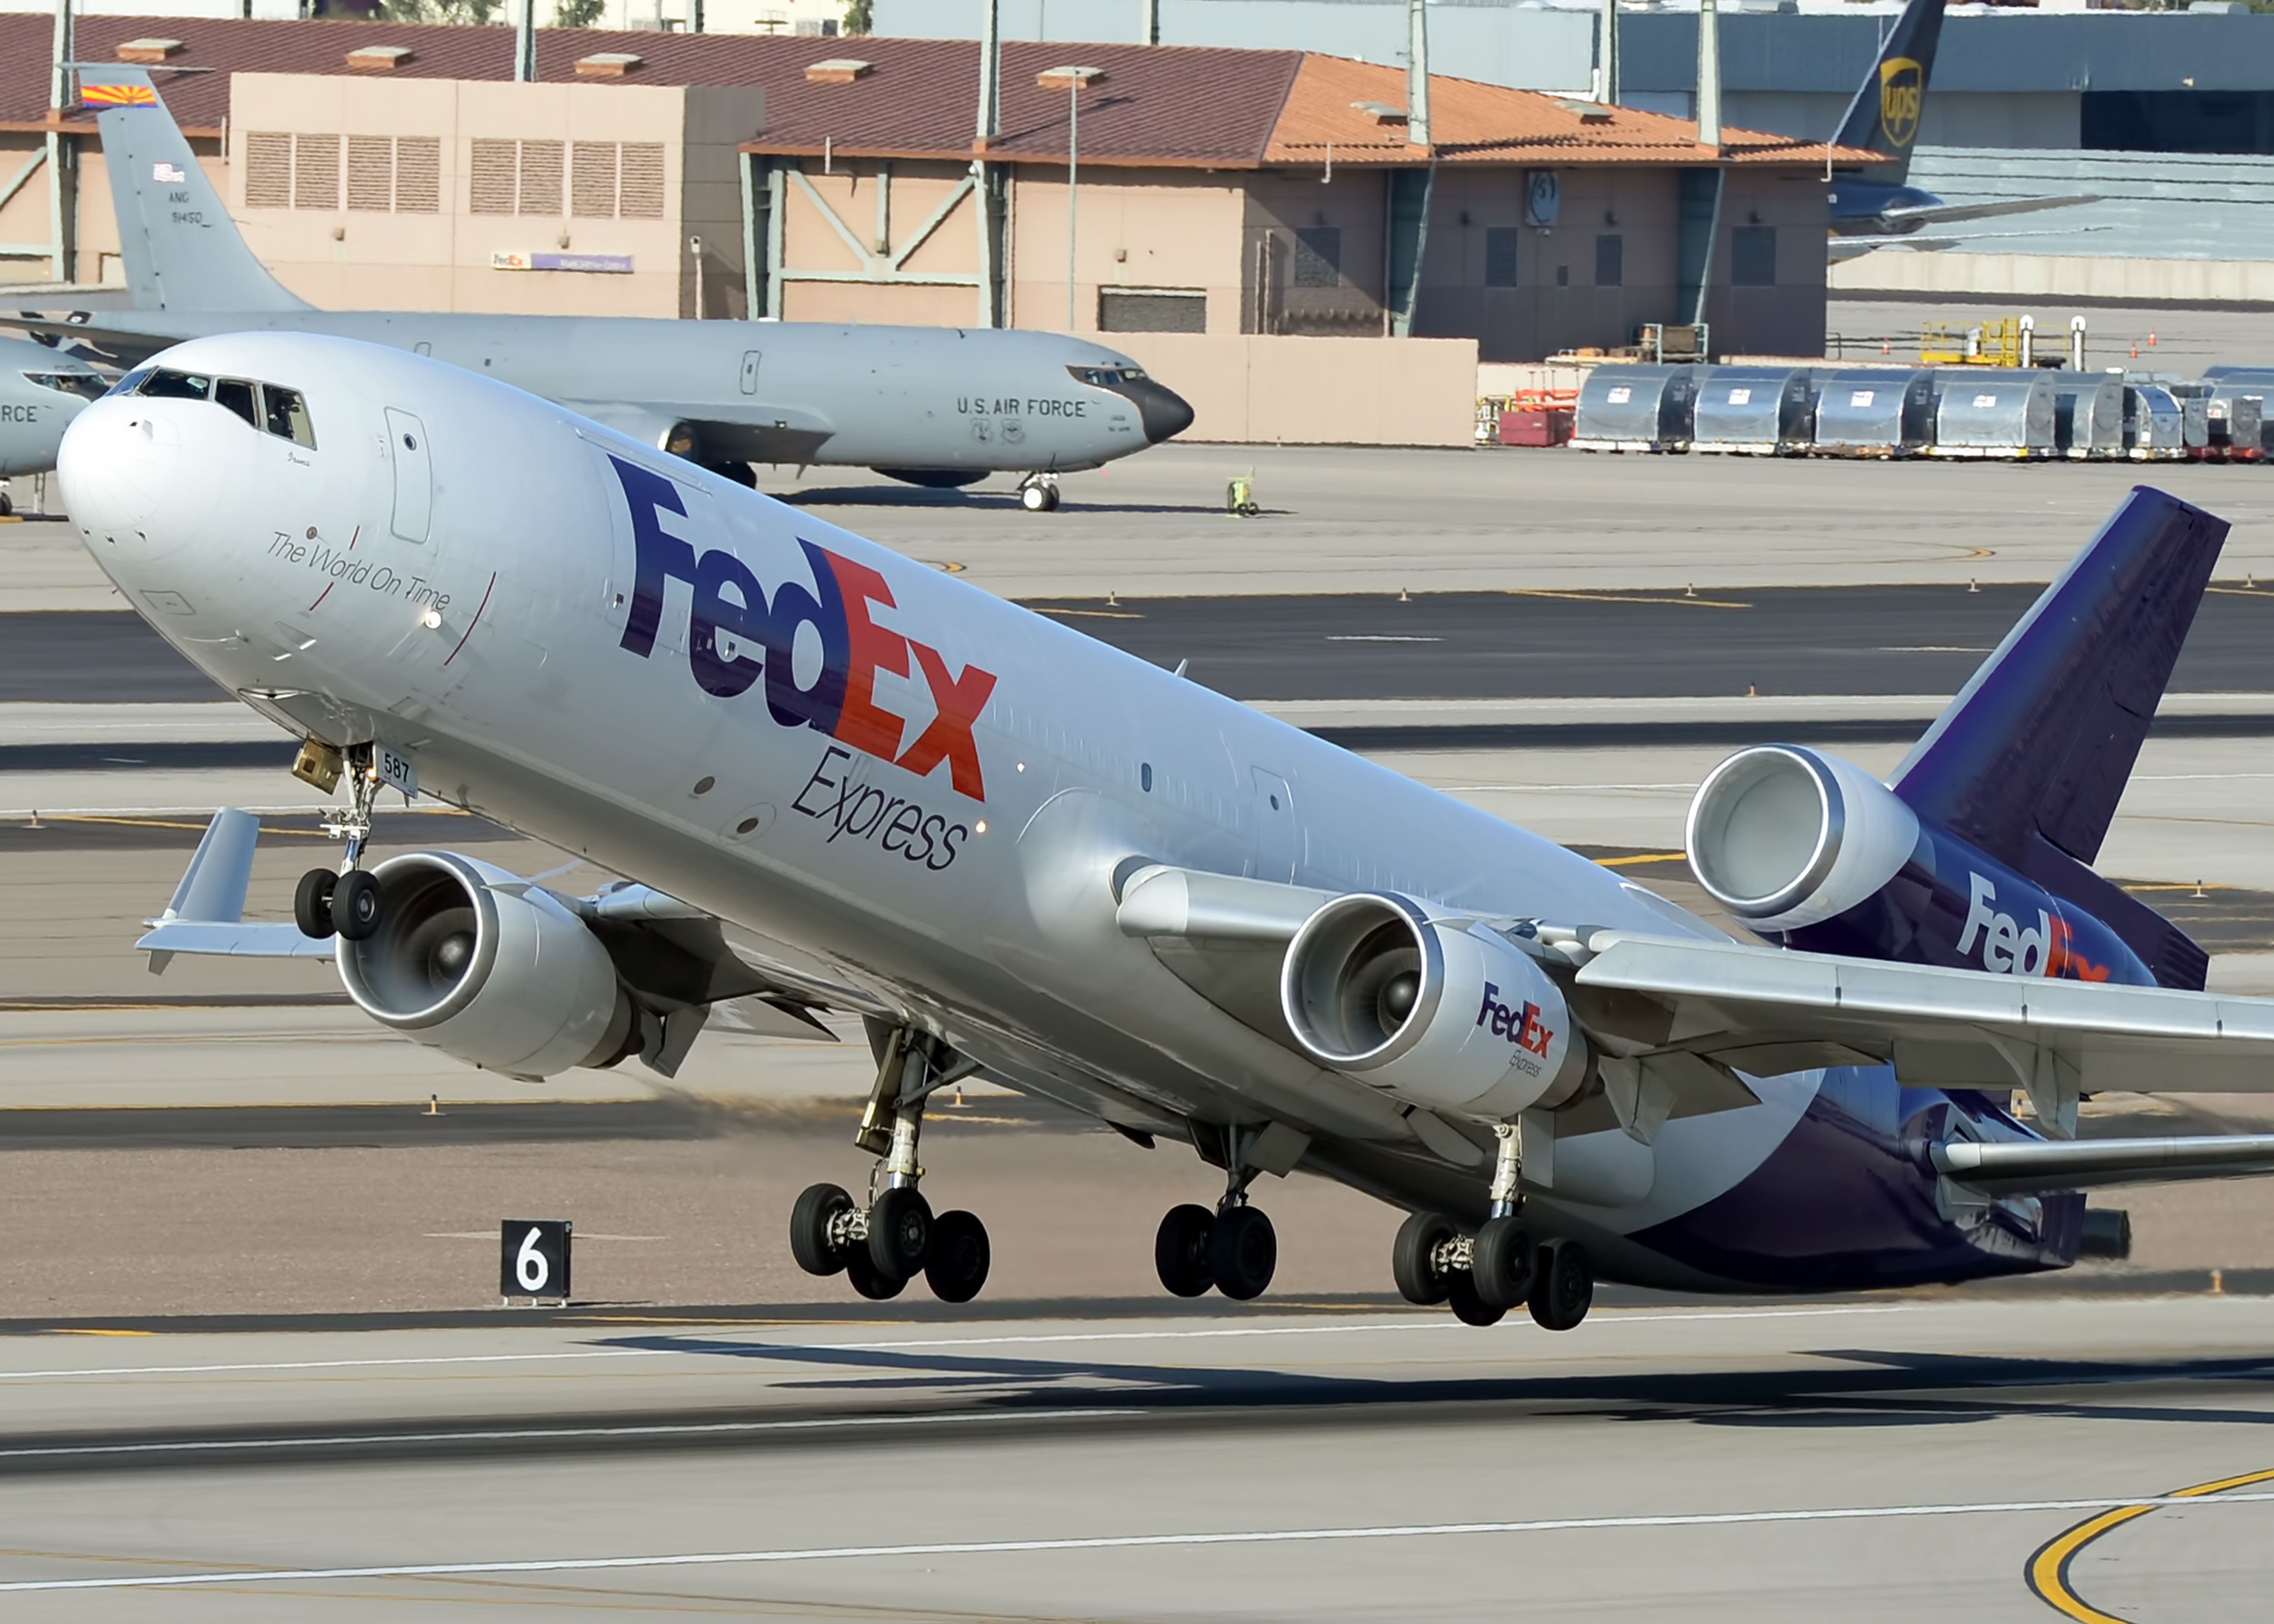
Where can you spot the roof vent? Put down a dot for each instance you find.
(1381, 112)
(1069, 78)
(838, 70)
(606, 64)
(379, 58)
(147, 51)
(1589, 112)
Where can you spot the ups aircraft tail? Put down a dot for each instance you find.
(1885, 114)
(2031, 757)
(181, 249)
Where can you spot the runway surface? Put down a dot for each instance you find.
(1859, 1461)
(1776, 642)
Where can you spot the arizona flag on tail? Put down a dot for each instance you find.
(120, 95)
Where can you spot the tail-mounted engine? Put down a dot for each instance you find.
(1815, 852)
(494, 972)
(1437, 1010)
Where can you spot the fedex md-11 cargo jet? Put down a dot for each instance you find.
(934, 406)
(838, 781)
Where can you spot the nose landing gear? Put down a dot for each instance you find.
(1500, 1268)
(883, 1246)
(347, 901)
(1039, 493)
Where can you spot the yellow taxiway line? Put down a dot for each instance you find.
(2049, 1566)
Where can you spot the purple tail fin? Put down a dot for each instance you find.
(2031, 759)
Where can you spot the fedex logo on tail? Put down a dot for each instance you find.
(2008, 948)
(739, 637)
(1521, 1025)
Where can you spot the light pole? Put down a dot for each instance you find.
(1073, 166)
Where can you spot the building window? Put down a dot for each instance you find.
(1752, 256)
(1610, 260)
(1152, 310)
(371, 174)
(268, 169)
(1319, 257)
(1500, 245)
(493, 166)
(418, 175)
(642, 194)
(592, 180)
(315, 171)
(541, 163)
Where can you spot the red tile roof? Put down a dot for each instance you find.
(1182, 106)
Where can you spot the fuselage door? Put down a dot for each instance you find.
(750, 371)
(414, 475)
(1275, 828)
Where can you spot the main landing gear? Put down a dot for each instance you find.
(345, 902)
(1039, 493)
(1500, 1268)
(895, 1237)
(1233, 1248)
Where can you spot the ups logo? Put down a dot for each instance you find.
(1902, 86)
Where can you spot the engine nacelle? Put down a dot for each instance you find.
(1783, 836)
(1436, 1012)
(1816, 853)
(506, 980)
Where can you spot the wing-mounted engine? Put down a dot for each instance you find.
(1814, 852)
(1437, 1010)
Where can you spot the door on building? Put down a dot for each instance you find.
(414, 475)
(1275, 828)
(750, 371)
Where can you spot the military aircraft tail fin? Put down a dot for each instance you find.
(181, 249)
(1885, 114)
(2031, 757)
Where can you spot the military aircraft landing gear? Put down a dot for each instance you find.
(884, 1245)
(345, 901)
(1039, 493)
(1234, 1248)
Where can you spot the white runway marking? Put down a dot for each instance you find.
(1113, 1542)
(315, 1365)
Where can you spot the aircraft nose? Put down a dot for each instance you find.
(1164, 413)
(117, 461)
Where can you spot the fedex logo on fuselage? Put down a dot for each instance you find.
(2007, 948)
(1519, 1025)
(729, 603)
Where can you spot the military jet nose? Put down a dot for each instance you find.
(1164, 413)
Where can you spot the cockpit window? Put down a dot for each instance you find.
(236, 395)
(166, 385)
(89, 386)
(132, 384)
(1107, 377)
(286, 414)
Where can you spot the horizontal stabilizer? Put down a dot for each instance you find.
(208, 912)
(2030, 1167)
(1994, 208)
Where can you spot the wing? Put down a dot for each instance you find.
(1762, 1009)
(755, 431)
(1951, 213)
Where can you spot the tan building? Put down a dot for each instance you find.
(1216, 192)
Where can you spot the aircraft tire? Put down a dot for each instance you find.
(1413, 1258)
(808, 1228)
(1034, 498)
(1243, 1252)
(358, 906)
(899, 1233)
(1504, 1263)
(877, 1287)
(312, 903)
(956, 1267)
(1468, 1307)
(1563, 1287)
(1180, 1250)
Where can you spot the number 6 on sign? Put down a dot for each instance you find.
(533, 1258)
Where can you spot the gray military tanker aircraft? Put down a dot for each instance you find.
(40, 391)
(934, 406)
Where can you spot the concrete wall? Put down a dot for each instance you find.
(2185, 282)
(1134, 229)
(1247, 389)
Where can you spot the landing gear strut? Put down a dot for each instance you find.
(1039, 493)
(884, 1245)
(1234, 1248)
(345, 901)
(1500, 1268)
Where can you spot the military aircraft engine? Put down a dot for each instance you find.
(1784, 836)
(472, 960)
(1435, 1009)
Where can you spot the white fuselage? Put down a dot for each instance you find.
(455, 569)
